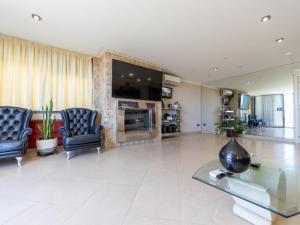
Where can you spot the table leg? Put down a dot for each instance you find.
(252, 213)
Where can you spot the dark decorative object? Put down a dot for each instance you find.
(234, 157)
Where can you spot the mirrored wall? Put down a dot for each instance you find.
(263, 101)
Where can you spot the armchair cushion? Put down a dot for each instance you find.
(6, 146)
(83, 139)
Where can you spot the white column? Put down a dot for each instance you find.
(297, 105)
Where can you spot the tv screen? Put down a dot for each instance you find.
(166, 92)
(245, 102)
(135, 82)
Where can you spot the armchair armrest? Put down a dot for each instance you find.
(98, 129)
(25, 133)
(64, 131)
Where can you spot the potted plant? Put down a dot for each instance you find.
(47, 144)
(233, 128)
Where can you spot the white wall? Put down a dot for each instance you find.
(210, 106)
(200, 105)
(189, 96)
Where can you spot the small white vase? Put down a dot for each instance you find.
(46, 146)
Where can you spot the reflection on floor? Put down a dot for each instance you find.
(145, 184)
(286, 133)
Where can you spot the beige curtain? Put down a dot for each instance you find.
(31, 74)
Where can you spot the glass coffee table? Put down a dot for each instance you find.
(259, 194)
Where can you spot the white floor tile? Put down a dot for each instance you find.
(157, 202)
(135, 220)
(10, 208)
(108, 206)
(67, 192)
(45, 214)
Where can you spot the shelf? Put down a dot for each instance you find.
(170, 134)
(170, 109)
(176, 120)
(170, 121)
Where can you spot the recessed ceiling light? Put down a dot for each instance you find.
(265, 18)
(215, 69)
(131, 74)
(149, 78)
(138, 80)
(36, 17)
(288, 53)
(280, 40)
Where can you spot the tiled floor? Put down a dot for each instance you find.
(147, 184)
(282, 133)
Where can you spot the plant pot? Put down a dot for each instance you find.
(231, 133)
(46, 146)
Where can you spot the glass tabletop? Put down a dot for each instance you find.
(275, 186)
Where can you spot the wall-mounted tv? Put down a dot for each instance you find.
(135, 82)
(166, 92)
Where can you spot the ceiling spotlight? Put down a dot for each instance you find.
(265, 18)
(138, 80)
(149, 78)
(122, 76)
(280, 40)
(131, 74)
(36, 17)
(215, 69)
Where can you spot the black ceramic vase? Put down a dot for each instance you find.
(234, 157)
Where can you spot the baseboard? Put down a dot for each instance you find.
(265, 138)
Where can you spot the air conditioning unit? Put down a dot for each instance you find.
(171, 80)
(227, 92)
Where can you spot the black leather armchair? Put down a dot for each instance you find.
(79, 130)
(14, 132)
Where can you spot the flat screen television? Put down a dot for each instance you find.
(245, 102)
(135, 82)
(166, 92)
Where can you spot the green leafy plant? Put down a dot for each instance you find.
(236, 124)
(46, 129)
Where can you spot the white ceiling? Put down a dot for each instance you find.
(185, 37)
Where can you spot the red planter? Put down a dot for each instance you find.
(36, 133)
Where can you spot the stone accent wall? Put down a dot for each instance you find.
(108, 106)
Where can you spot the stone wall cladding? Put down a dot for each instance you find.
(108, 106)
